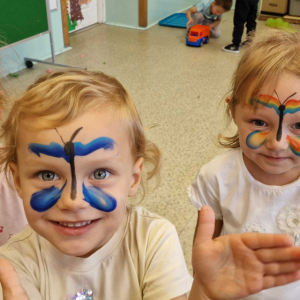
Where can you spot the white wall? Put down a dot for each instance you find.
(126, 12)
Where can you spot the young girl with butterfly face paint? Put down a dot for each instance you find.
(76, 147)
(255, 186)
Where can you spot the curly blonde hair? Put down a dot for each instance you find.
(262, 64)
(59, 98)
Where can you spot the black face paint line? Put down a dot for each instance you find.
(291, 106)
(70, 151)
(281, 110)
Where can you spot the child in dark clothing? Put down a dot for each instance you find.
(245, 12)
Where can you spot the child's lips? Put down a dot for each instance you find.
(276, 158)
(69, 228)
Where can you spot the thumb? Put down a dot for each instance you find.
(206, 225)
(9, 280)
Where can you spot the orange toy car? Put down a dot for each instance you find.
(198, 35)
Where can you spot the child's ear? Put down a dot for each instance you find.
(15, 173)
(136, 176)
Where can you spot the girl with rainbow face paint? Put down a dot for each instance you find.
(255, 186)
(269, 132)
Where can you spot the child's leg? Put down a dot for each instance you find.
(215, 32)
(252, 15)
(240, 16)
(198, 19)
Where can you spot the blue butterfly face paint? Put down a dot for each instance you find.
(45, 199)
(98, 199)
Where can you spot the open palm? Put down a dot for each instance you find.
(238, 265)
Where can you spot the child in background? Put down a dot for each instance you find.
(12, 216)
(245, 12)
(208, 12)
(255, 186)
(76, 148)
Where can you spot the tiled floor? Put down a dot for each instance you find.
(177, 90)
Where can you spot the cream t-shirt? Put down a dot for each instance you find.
(143, 260)
(12, 216)
(247, 205)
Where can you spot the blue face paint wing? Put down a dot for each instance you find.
(98, 199)
(99, 143)
(45, 199)
(53, 149)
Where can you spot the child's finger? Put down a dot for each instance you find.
(278, 254)
(281, 268)
(206, 225)
(264, 240)
(272, 281)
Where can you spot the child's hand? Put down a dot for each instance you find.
(11, 287)
(190, 21)
(238, 265)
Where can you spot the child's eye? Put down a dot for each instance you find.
(297, 126)
(48, 176)
(259, 123)
(100, 174)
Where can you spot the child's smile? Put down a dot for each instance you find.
(80, 220)
(270, 139)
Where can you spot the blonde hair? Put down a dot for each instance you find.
(59, 98)
(261, 66)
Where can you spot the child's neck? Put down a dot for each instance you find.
(268, 178)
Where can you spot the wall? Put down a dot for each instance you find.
(159, 9)
(12, 59)
(123, 13)
(126, 12)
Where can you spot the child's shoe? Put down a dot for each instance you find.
(246, 43)
(231, 48)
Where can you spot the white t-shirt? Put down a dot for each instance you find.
(12, 216)
(247, 205)
(143, 260)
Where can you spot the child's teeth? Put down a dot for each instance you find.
(78, 224)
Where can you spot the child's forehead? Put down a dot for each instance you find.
(93, 125)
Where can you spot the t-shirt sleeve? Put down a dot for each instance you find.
(205, 192)
(166, 275)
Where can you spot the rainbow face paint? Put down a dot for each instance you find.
(288, 106)
(45, 199)
(294, 144)
(256, 139)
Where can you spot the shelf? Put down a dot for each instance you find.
(286, 18)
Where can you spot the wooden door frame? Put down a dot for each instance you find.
(64, 17)
(143, 13)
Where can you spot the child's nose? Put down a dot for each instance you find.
(273, 144)
(67, 203)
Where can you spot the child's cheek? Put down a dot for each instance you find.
(45, 199)
(98, 198)
(256, 139)
(294, 144)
